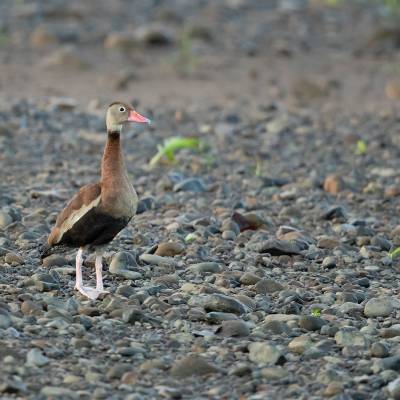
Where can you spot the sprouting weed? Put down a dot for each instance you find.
(171, 145)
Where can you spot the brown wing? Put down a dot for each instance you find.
(85, 200)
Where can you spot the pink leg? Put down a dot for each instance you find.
(89, 292)
(99, 273)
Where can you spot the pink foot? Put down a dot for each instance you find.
(90, 292)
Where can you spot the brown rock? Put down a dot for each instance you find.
(169, 249)
(13, 258)
(333, 184)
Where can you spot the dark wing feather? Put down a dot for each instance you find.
(79, 204)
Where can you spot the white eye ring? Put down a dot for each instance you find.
(122, 109)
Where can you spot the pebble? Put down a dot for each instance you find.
(300, 344)
(333, 184)
(268, 286)
(220, 302)
(234, 328)
(36, 358)
(249, 279)
(310, 323)
(379, 349)
(158, 260)
(13, 258)
(194, 185)
(205, 267)
(276, 247)
(122, 264)
(393, 389)
(378, 307)
(349, 337)
(5, 219)
(263, 353)
(169, 249)
(192, 365)
(54, 260)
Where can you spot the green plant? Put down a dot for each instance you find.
(316, 312)
(173, 144)
(361, 147)
(395, 253)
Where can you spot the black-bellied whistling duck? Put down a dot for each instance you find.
(96, 214)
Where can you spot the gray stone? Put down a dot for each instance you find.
(350, 337)
(44, 282)
(54, 260)
(267, 286)
(195, 185)
(378, 307)
(5, 219)
(234, 328)
(192, 365)
(205, 267)
(277, 247)
(220, 302)
(36, 358)
(249, 279)
(263, 353)
(379, 349)
(56, 392)
(392, 363)
(311, 323)
(158, 260)
(300, 344)
(393, 389)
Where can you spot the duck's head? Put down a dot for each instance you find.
(119, 114)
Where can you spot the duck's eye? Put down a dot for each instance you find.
(122, 109)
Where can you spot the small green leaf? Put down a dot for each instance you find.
(173, 144)
(316, 312)
(395, 253)
(361, 147)
(190, 237)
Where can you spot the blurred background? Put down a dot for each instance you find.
(338, 54)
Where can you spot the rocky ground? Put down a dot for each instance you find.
(259, 266)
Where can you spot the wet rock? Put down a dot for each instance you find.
(169, 249)
(378, 307)
(192, 365)
(263, 353)
(220, 302)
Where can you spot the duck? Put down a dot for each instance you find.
(100, 210)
